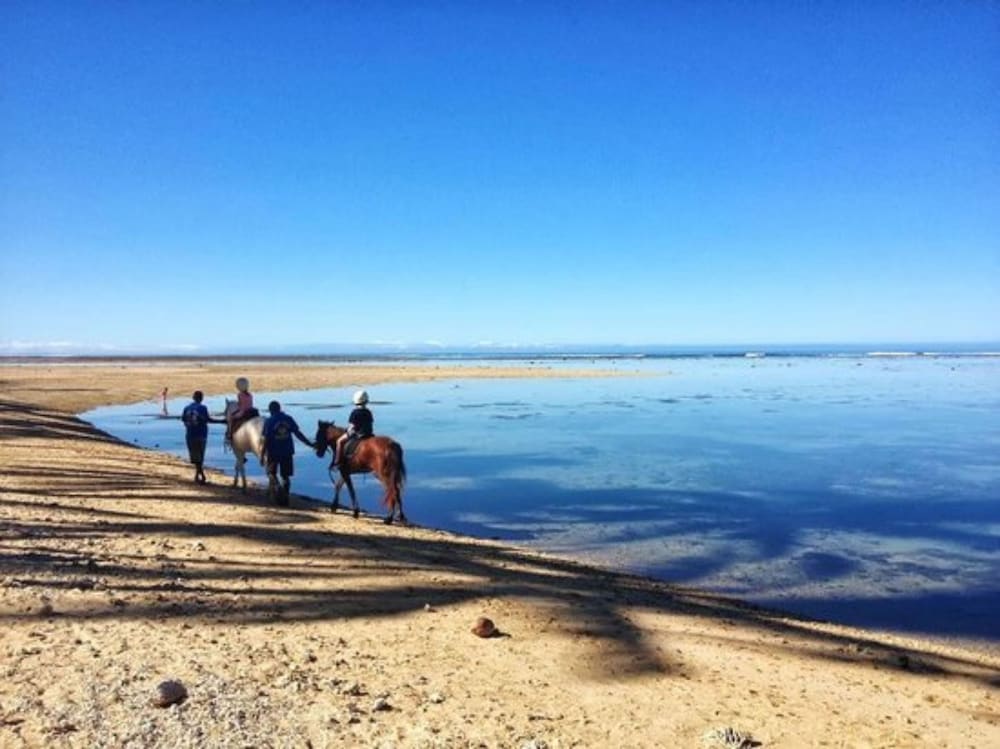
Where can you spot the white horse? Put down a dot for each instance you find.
(248, 438)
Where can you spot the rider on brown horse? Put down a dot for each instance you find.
(378, 455)
(360, 425)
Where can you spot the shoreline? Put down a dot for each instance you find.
(122, 382)
(612, 563)
(118, 572)
(279, 372)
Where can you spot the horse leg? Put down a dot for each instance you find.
(399, 505)
(240, 472)
(393, 497)
(346, 478)
(336, 494)
(395, 507)
(387, 500)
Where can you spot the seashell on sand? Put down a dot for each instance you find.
(484, 627)
(169, 692)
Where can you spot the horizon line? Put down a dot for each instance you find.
(67, 350)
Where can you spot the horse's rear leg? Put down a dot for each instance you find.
(399, 501)
(394, 501)
(387, 500)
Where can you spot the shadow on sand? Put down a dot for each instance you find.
(367, 575)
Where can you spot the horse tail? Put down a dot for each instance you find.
(398, 450)
(396, 475)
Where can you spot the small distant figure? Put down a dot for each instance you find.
(163, 401)
(196, 420)
(279, 450)
(244, 407)
(360, 424)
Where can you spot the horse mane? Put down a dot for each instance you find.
(326, 426)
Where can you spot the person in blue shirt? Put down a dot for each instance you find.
(279, 449)
(196, 420)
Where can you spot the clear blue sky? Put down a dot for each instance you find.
(246, 174)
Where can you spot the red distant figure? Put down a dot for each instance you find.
(163, 401)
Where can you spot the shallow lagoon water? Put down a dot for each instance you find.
(860, 489)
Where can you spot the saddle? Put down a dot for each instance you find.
(237, 423)
(351, 446)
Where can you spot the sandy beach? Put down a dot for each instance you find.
(295, 627)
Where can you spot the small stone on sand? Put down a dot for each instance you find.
(484, 627)
(169, 692)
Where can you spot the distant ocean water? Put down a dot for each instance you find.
(861, 486)
(513, 353)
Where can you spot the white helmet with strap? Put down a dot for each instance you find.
(360, 398)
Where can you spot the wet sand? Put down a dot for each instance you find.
(294, 626)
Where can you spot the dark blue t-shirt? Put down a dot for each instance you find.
(195, 418)
(363, 422)
(278, 431)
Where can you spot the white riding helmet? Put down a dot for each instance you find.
(242, 384)
(360, 398)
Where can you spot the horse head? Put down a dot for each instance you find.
(326, 436)
(321, 440)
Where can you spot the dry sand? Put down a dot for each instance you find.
(294, 627)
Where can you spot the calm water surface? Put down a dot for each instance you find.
(864, 490)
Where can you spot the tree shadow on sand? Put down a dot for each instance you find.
(21, 420)
(74, 541)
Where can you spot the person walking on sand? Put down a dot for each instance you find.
(196, 420)
(360, 424)
(163, 401)
(244, 407)
(279, 449)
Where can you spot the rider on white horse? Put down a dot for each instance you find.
(244, 407)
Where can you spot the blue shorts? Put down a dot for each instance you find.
(283, 466)
(196, 449)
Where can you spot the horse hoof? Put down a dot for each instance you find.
(334, 507)
(357, 512)
(388, 520)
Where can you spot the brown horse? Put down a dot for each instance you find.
(379, 455)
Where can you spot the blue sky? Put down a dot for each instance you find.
(257, 174)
